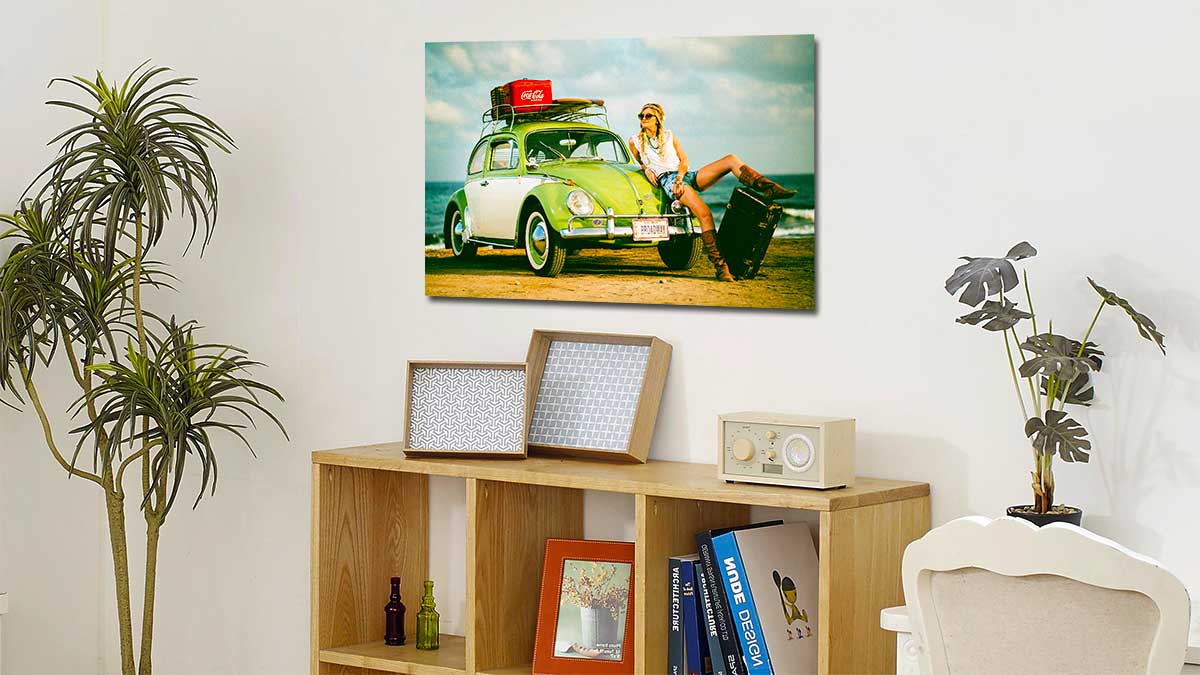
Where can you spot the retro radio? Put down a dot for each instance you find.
(776, 449)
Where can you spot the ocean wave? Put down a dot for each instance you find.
(792, 232)
(807, 214)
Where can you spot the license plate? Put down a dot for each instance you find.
(650, 229)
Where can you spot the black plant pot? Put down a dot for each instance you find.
(1059, 514)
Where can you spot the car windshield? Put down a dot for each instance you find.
(574, 144)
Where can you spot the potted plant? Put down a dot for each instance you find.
(1057, 370)
(155, 401)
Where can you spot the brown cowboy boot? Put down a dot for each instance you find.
(767, 187)
(714, 255)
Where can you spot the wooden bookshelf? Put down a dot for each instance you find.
(370, 521)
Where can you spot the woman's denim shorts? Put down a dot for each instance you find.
(666, 180)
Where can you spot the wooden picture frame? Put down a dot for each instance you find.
(563, 643)
(453, 425)
(607, 412)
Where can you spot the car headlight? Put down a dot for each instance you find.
(580, 203)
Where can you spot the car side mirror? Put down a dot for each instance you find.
(531, 165)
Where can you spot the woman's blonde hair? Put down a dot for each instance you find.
(660, 135)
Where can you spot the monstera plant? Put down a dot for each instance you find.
(155, 401)
(1051, 369)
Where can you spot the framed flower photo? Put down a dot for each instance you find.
(585, 616)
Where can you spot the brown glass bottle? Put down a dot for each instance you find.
(395, 616)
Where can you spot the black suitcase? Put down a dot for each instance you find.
(746, 230)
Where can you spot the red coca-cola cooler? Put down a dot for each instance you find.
(523, 95)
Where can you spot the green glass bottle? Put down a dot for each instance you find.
(427, 621)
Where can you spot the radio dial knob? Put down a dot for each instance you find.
(743, 450)
(771, 455)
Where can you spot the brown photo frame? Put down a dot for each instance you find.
(441, 419)
(585, 395)
(600, 642)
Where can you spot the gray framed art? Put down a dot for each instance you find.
(465, 409)
(594, 394)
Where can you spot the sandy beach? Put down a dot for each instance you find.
(785, 281)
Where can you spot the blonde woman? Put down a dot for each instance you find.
(665, 164)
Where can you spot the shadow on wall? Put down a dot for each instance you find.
(673, 418)
(1138, 451)
(919, 458)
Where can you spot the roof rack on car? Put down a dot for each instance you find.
(560, 110)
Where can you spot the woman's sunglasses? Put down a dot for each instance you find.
(646, 116)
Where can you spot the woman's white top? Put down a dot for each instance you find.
(661, 159)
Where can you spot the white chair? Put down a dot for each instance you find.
(997, 597)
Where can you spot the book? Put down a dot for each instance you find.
(708, 624)
(741, 604)
(695, 649)
(731, 652)
(675, 658)
(776, 568)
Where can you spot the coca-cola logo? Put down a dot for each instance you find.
(533, 95)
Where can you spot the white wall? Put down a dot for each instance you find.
(945, 129)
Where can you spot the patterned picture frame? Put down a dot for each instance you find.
(594, 395)
(465, 409)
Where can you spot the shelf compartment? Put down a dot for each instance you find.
(367, 527)
(507, 528)
(667, 527)
(450, 659)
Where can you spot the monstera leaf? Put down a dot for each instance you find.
(1059, 434)
(1059, 356)
(999, 315)
(1078, 392)
(1145, 326)
(985, 277)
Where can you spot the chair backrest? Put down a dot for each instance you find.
(1003, 596)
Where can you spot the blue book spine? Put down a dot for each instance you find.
(741, 605)
(691, 625)
(675, 663)
(730, 652)
(708, 621)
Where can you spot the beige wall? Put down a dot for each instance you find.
(945, 129)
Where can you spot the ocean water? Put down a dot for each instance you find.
(798, 220)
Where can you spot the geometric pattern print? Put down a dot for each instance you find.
(467, 409)
(589, 394)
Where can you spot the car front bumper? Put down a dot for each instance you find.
(605, 226)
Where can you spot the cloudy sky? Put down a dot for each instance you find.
(752, 96)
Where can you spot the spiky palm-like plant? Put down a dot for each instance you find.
(1057, 369)
(153, 399)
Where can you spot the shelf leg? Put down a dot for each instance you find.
(860, 553)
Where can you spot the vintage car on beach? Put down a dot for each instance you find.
(556, 180)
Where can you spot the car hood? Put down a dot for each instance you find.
(622, 187)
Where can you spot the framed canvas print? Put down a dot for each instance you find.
(640, 170)
(585, 613)
(594, 394)
(465, 409)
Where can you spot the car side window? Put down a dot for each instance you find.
(607, 150)
(476, 163)
(504, 155)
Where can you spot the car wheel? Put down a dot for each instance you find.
(681, 253)
(543, 248)
(455, 229)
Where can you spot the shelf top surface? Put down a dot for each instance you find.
(450, 659)
(682, 480)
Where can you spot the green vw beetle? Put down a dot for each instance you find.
(559, 180)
